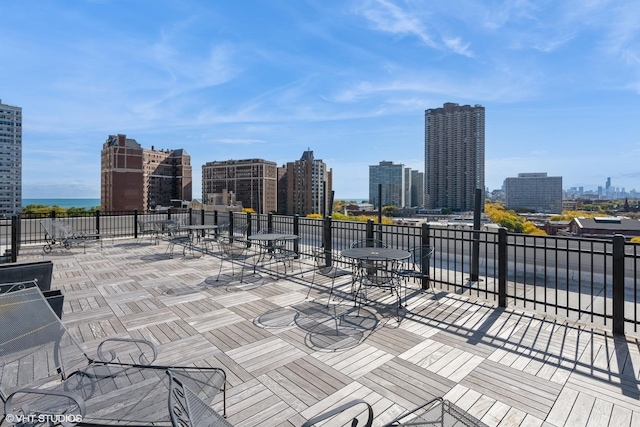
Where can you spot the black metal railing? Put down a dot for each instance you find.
(586, 279)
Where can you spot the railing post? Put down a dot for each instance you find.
(502, 267)
(618, 284)
(424, 264)
(98, 221)
(135, 224)
(269, 222)
(475, 249)
(369, 232)
(249, 229)
(215, 217)
(15, 237)
(202, 216)
(327, 240)
(190, 211)
(230, 223)
(296, 231)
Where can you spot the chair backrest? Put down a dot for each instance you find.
(379, 272)
(322, 259)
(232, 247)
(368, 243)
(55, 229)
(420, 256)
(35, 346)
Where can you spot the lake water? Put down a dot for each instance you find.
(63, 203)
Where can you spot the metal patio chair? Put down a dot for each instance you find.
(46, 374)
(177, 235)
(356, 416)
(325, 265)
(437, 412)
(213, 238)
(381, 274)
(417, 266)
(233, 249)
(58, 232)
(146, 228)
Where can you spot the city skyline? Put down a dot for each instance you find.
(560, 82)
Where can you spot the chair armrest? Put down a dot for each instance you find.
(143, 359)
(65, 418)
(340, 409)
(186, 409)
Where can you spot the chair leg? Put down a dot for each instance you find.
(313, 278)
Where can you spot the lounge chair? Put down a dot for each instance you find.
(46, 375)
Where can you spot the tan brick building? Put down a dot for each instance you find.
(253, 181)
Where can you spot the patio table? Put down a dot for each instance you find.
(268, 243)
(199, 227)
(374, 256)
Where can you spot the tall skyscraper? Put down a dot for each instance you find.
(391, 177)
(454, 156)
(534, 191)
(254, 182)
(417, 188)
(136, 178)
(306, 186)
(10, 160)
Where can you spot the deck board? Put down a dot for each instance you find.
(505, 366)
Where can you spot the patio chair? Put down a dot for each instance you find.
(378, 273)
(57, 231)
(341, 409)
(437, 412)
(325, 265)
(146, 228)
(233, 249)
(46, 375)
(178, 236)
(416, 267)
(214, 237)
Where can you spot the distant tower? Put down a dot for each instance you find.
(11, 164)
(392, 178)
(305, 186)
(454, 156)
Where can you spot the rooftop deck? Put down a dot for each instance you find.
(289, 358)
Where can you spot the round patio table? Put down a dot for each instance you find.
(376, 253)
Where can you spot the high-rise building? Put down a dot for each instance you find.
(407, 188)
(417, 188)
(306, 186)
(534, 191)
(454, 156)
(254, 182)
(389, 177)
(10, 160)
(136, 178)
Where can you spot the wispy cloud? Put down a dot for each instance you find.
(390, 18)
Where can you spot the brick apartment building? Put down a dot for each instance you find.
(304, 186)
(136, 178)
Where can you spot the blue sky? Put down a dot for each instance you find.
(560, 81)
